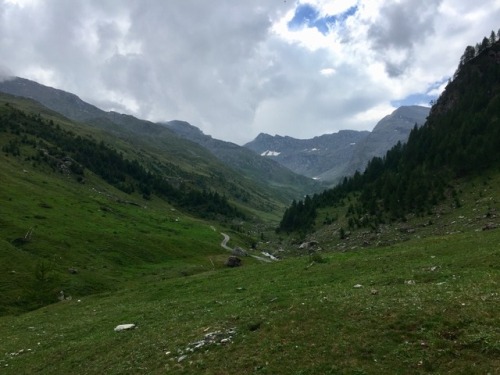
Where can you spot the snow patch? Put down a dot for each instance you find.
(270, 153)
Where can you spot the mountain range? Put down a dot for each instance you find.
(326, 158)
(178, 146)
(332, 156)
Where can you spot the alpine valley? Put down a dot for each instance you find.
(131, 247)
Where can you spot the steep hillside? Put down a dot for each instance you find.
(392, 129)
(460, 139)
(268, 179)
(309, 157)
(246, 162)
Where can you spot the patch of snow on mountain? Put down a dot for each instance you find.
(270, 153)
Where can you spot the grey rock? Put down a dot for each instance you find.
(233, 261)
(124, 327)
(239, 252)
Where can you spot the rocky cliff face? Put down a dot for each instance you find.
(332, 156)
(392, 129)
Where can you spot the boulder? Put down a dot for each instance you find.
(124, 327)
(308, 245)
(239, 252)
(489, 226)
(233, 261)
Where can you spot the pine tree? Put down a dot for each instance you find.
(484, 44)
(493, 38)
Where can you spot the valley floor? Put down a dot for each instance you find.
(424, 306)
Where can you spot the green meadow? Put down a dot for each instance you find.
(426, 306)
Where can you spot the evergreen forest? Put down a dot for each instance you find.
(460, 138)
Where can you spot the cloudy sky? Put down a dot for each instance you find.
(237, 68)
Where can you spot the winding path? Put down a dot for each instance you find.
(225, 241)
(224, 246)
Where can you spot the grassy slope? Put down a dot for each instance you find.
(189, 162)
(289, 318)
(428, 304)
(91, 227)
(479, 207)
(109, 237)
(434, 305)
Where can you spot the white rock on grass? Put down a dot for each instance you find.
(357, 286)
(124, 327)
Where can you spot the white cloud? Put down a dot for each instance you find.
(327, 71)
(235, 68)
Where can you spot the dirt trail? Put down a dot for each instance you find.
(224, 246)
(225, 241)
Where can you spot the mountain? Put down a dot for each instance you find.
(460, 140)
(392, 129)
(245, 161)
(309, 157)
(265, 177)
(332, 156)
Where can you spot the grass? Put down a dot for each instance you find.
(479, 199)
(427, 300)
(424, 306)
(107, 236)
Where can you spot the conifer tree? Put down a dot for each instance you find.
(493, 38)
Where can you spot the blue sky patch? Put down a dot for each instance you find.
(345, 15)
(422, 98)
(307, 15)
(414, 99)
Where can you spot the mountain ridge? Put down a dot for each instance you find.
(277, 180)
(240, 158)
(390, 130)
(329, 157)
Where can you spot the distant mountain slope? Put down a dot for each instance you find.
(392, 129)
(309, 157)
(264, 178)
(244, 160)
(332, 156)
(74, 108)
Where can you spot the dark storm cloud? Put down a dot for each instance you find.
(402, 25)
